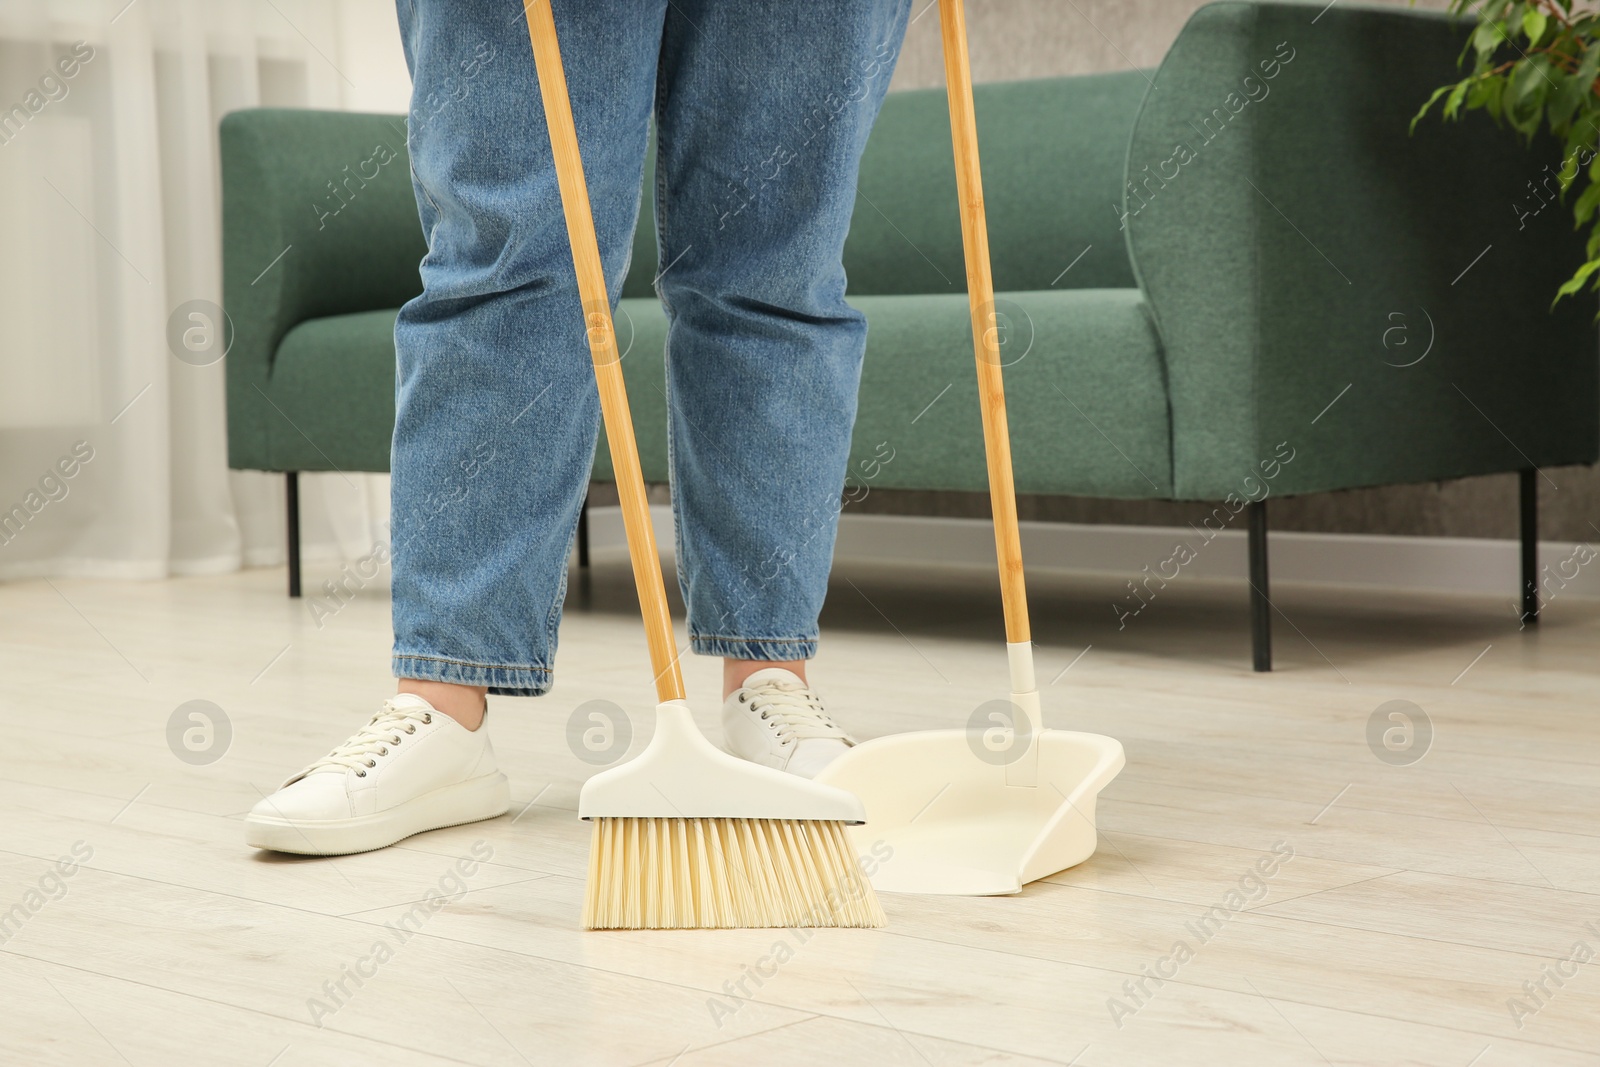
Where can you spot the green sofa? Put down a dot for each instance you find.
(1215, 282)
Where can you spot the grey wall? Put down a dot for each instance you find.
(1039, 38)
(1012, 39)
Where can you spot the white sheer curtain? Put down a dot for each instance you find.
(113, 456)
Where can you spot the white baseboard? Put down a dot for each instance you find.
(1475, 566)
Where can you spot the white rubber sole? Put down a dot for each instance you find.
(464, 802)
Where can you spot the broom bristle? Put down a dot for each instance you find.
(687, 874)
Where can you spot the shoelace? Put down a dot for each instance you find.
(794, 711)
(388, 727)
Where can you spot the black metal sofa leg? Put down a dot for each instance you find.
(1260, 606)
(1528, 508)
(292, 501)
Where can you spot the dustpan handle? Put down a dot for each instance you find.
(603, 350)
(985, 328)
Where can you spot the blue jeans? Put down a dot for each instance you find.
(496, 410)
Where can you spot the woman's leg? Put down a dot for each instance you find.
(496, 411)
(764, 108)
(763, 111)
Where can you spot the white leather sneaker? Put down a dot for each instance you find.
(776, 720)
(409, 769)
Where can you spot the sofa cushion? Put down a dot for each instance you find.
(1085, 394)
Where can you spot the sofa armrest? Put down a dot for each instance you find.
(1300, 248)
(318, 218)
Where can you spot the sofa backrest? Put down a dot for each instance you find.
(1283, 215)
(1053, 154)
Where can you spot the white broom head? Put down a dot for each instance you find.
(689, 837)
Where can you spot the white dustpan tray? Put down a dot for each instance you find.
(941, 820)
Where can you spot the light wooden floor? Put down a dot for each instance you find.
(1418, 901)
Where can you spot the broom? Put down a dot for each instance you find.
(685, 836)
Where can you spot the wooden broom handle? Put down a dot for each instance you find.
(985, 327)
(603, 349)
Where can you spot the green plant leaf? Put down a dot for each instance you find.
(1486, 38)
(1575, 89)
(1575, 283)
(1534, 23)
(1530, 85)
(1583, 208)
(1557, 114)
(1423, 110)
(1589, 67)
(1489, 94)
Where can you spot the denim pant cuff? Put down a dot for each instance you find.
(501, 681)
(777, 649)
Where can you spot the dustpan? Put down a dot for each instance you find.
(988, 809)
(942, 820)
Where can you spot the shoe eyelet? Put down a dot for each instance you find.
(383, 752)
(361, 774)
(411, 729)
(742, 699)
(372, 763)
(396, 739)
(426, 719)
